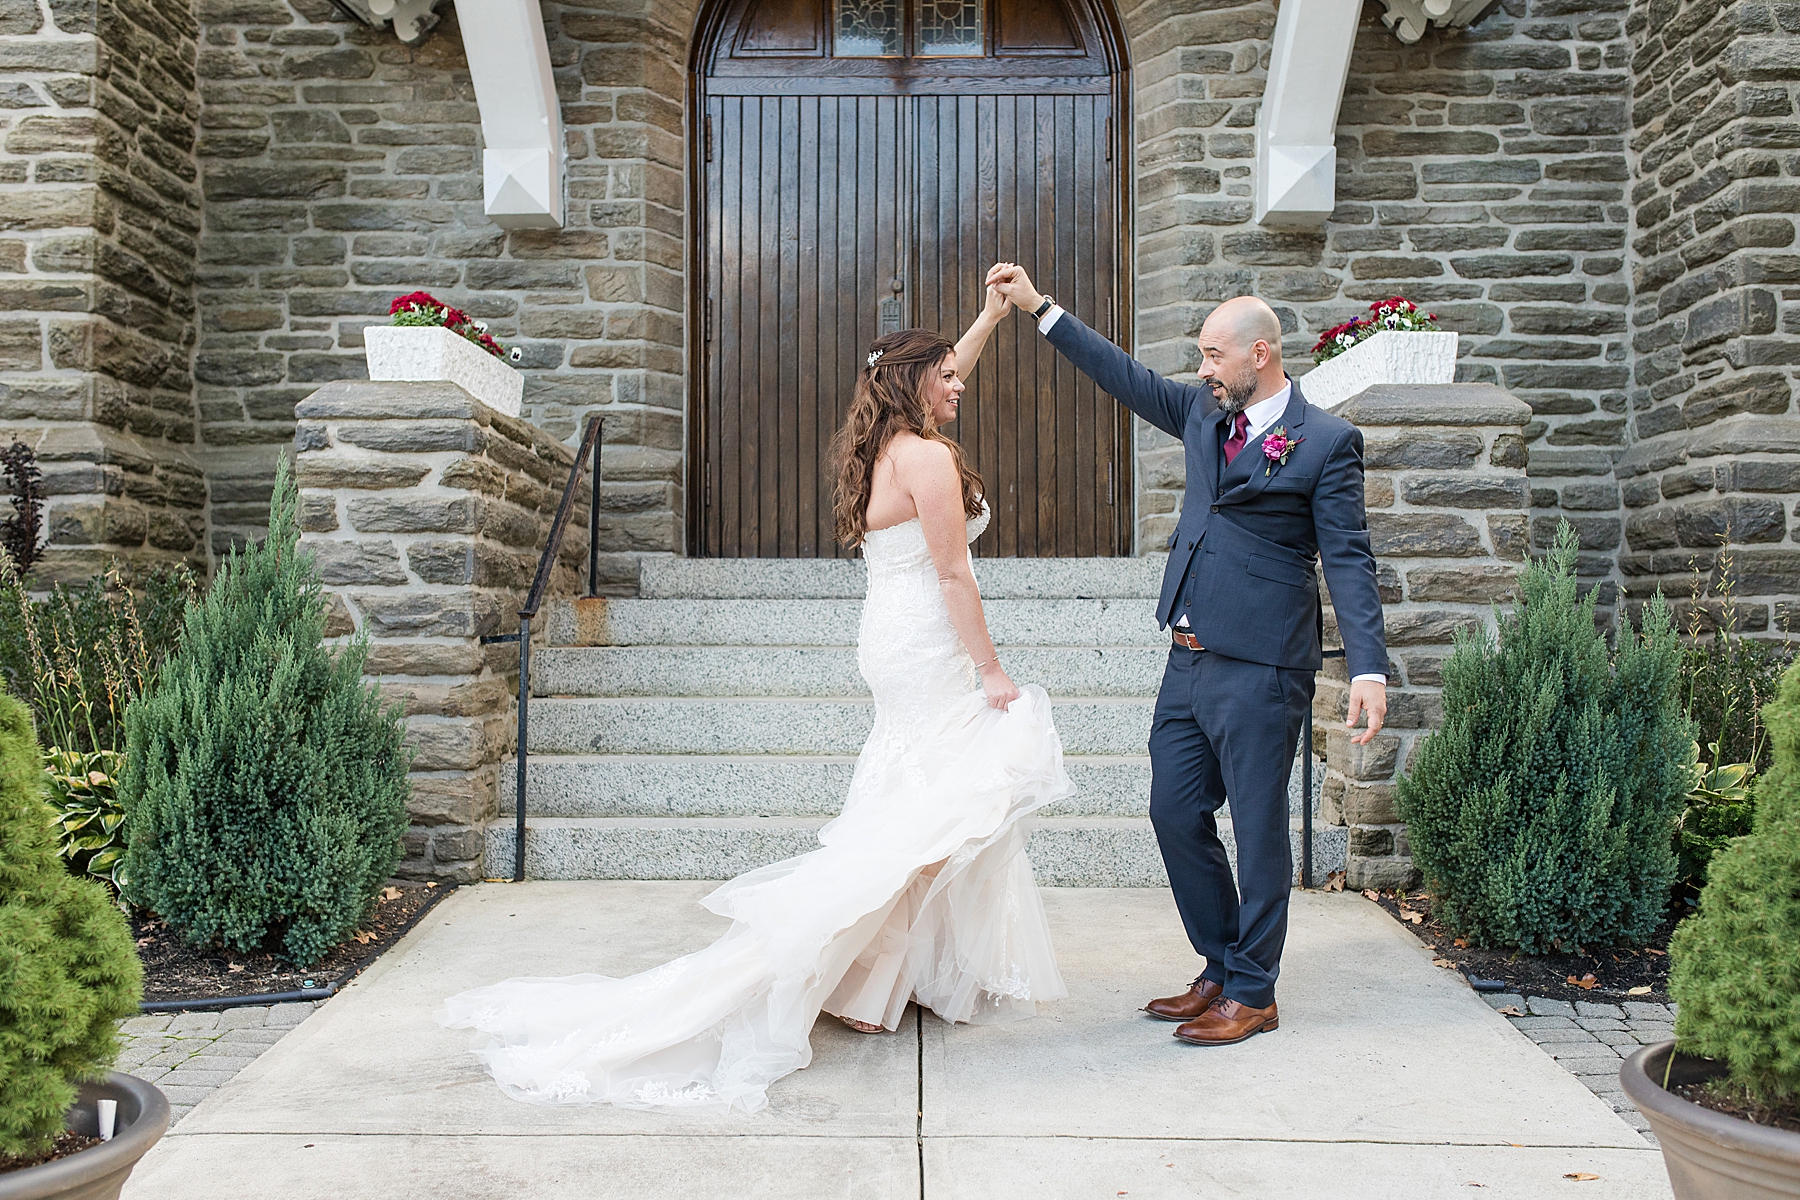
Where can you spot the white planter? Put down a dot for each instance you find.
(1391, 356)
(422, 353)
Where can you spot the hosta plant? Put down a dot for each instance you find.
(90, 821)
(1395, 313)
(422, 308)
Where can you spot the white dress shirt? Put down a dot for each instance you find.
(1262, 414)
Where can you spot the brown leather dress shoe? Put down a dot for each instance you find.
(1189, 1004)
(1226, 1022)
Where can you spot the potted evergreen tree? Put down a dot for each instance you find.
(68, 974)
(1736, 981)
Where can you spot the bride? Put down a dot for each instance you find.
(920, 889)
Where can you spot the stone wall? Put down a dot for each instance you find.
(1481, 173)
(99, 208)
(1711, 476)
(427, 512)
(1447, 498)
(342, 168)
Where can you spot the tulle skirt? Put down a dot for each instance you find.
(920, 890)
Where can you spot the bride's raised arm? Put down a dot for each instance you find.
(927, 470)
(968, 350)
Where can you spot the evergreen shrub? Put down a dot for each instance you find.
(68, 968)
(1541, 812)
(264, 784)
(1736, 962)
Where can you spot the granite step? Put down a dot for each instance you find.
(1126, 621)
(723, 671)
(797, 785)
(1065, 851)
(758, 725)
(768, 785)
(827, 578)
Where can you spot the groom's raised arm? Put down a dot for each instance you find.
(1162, 402)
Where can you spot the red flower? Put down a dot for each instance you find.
(414, 300)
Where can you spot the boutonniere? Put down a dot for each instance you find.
(1276, 448)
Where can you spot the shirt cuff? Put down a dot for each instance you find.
(1049, 318)
(1381, 679)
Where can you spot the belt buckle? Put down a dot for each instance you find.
(1187, 640)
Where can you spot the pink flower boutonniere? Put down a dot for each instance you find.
(1276, 448)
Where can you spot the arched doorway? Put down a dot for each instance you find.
(856, 166)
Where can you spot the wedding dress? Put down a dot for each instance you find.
(920, 890)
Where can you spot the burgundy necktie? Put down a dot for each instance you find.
(1240, 433)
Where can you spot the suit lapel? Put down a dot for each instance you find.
(1263, 470)
(1210, 426)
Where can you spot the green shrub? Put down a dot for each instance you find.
(264, 786)
(1541, 812)
(1736, 961)
(68, 969)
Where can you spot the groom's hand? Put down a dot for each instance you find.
(1011, 281)
(1367, 696)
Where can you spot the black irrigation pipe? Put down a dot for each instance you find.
(169, 1006)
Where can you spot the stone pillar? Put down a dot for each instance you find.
(426, 512)
(1448, 517)
(100, 214)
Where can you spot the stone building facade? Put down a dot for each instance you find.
(204, 205)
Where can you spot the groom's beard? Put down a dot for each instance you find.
(1233, 395)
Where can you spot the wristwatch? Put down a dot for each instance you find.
(1046, 306)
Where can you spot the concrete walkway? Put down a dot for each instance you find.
(1388, 1078)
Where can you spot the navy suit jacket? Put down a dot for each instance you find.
(1241, 560)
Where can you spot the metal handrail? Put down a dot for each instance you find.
(590, 446)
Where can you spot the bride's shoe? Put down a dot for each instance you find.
(861, 1026)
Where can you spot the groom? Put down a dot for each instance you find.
(1272, 484)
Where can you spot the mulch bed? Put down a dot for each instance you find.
(66, 1144)
(1611, 976)
(174, 970)
(1723, 1096)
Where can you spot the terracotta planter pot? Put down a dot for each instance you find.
(97, 1173)
(1710, 1156)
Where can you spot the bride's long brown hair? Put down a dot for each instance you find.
(889, 399)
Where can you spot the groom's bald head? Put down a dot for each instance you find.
(1242, 322)
(1240, 353)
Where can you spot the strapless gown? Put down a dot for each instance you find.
(920, 890)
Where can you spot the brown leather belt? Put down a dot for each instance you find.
(1184, 638)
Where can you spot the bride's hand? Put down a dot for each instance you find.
(1000, 690)
(997, 304)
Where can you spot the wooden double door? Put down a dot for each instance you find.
(843, 196)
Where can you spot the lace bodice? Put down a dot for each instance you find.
(902, 546)
(907, 649)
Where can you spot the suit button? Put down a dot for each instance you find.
(1215, 508)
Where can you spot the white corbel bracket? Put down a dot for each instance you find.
(521, 117)
(1409, 18)
(1296, 128)
(411, 19)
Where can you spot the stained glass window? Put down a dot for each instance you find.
(868, 28)
(950, 27)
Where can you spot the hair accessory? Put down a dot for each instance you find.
(875, 357)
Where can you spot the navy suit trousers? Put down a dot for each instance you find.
(1226, 729)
